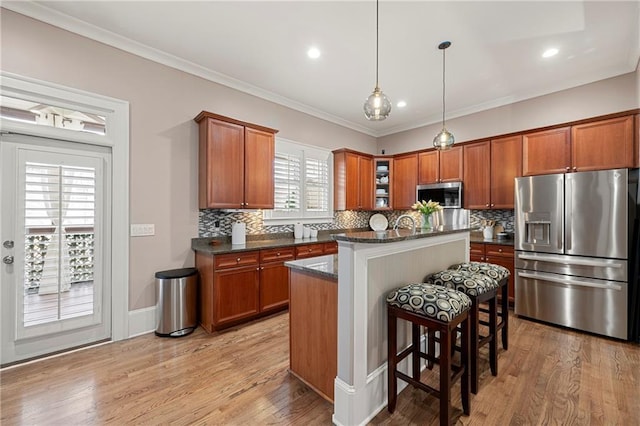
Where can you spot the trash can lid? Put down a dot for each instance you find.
(176, 273)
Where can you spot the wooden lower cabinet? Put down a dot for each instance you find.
(500, 254)
(235, 292)
(238, 287)
(313, 331)
(274, 278)
(309, 250)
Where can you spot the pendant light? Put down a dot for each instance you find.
(444, 139)
(377, 106)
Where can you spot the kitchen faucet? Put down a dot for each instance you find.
(413, 222)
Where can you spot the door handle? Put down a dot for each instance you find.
(7, 244)
(8, 260)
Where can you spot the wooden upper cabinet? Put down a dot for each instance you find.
(477, 176)
(490, 169)
(259, 155)
(451, 164)
(546, 152)
(428, 168)
(235, 163)
(440, 166)
(353, 180)
(405, 180)
(606, 144)
(506, 165)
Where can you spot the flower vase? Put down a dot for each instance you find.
(426, 221)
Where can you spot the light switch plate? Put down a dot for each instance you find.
(143, 229)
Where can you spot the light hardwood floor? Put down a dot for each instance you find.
(549, 376)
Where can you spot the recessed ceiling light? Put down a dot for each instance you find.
(313, 53)
(401, 104)
(550, 52)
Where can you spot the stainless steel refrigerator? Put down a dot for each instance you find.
(577, 251)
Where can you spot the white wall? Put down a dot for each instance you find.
(616, 94)
(163, 136)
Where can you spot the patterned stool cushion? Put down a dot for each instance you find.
(466, 282)
(429, 300)
(494, 271)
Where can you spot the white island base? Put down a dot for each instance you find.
(370, 267)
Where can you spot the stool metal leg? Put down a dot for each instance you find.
(445, 378)
(493, 343)
(415, 355)
(474, 349)
(464, 361)
(505, 315)
(392, 353)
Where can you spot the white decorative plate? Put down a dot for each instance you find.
(378, 222)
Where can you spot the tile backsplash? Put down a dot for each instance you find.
(502, 217)
(341, 220)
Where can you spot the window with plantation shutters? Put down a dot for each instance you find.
(287, 182)
(302, 180)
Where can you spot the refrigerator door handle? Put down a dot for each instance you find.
(568, 211)
(568, 281)
(581, 262)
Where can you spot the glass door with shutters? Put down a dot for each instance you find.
(55, 292)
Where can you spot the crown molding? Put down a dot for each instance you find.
(82, 28)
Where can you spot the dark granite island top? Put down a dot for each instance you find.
(324, 266)
(402, 234)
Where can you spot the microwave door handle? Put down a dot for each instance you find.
(569, 281)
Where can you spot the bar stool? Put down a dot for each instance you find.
(480, 288)
(436, 308)
(500, 274)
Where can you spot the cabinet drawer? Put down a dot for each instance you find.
(331, 248)
(499, 250)
(233, 260)
(476, 249)
(277, 254)
(309, 250)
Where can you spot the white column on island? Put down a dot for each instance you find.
(367, 272)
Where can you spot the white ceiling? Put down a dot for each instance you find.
(260, 47)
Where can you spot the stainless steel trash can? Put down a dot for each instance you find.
(176, 295)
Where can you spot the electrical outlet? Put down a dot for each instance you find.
(143, 229)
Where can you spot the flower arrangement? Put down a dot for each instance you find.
(427, 208)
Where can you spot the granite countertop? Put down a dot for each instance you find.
(325, 266)
(391, 236)
(476, 237)
(256, 242)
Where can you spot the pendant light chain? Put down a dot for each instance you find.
(443, 84)
(444, 139)
(377, 106)
(377, 39)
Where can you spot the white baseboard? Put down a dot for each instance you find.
(142, 321)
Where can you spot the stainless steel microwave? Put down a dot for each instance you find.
(448, 194)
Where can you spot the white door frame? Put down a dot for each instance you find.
(117, 138)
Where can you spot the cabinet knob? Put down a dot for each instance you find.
(575, 169)
(492, 205)
(237, 260)
(278, 254)
(568, 168)
(499, 250)
(486, 205)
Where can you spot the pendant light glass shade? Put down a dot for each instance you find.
(444, 139)
(377, 106)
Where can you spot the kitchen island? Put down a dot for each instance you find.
(371, 265)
